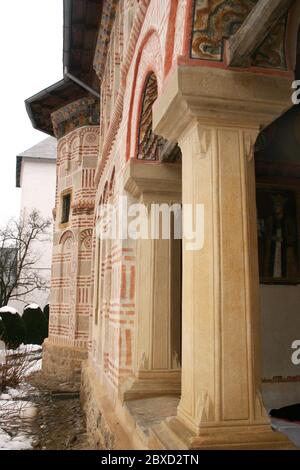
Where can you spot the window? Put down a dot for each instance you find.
(66, 206)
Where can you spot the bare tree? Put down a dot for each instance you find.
(19, 255)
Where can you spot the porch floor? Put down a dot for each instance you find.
(149, 412)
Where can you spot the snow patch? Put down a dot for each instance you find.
(26, 349)
(8, 309)
(20, 442)
(32, 306)
(2, 352)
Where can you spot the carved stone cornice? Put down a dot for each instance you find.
(153, 181)
(218, 97)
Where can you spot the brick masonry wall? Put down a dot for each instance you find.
(71, 293)
(151, 47)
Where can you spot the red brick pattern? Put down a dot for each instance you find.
(72, 252)
(94, 281)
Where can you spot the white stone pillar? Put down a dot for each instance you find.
(221, 111)
(156, 365)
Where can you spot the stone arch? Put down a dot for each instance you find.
(62, 145)
(149, 60)
(66, 239)
(74, 143)
(86, 238)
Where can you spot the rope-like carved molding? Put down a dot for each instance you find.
(83, 207)
(118, 109)
(108, 16)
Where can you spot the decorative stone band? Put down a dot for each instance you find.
(215, 21)
(75, 140)
(65, 341)
(83, 207)
(83, 112)
(118, 109)
(107, 19)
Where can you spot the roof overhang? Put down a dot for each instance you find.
(81, 25)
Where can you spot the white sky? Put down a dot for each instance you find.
(31, 38)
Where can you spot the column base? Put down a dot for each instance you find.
(173, 435)
(149, 384)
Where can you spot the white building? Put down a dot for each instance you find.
(36, 176)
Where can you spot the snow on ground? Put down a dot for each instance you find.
(19, 442)
(25, 349)
(11, 411)
(34, 367)
(14, 405)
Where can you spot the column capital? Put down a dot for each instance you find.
(153, 182)
(218, 97)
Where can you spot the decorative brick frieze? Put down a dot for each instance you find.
(83, 112)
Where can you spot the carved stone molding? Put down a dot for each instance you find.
(201, 142)
(83, 207)
(144, 179)
(217, 97)
(249, 143)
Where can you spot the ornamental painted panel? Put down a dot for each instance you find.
(80, 113)
(217, 20)
(149, 143)
(272, 52)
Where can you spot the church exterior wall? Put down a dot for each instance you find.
(97, 315)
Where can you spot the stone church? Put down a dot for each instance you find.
(181, 102)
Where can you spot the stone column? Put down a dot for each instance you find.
(156, 361)
(221, 111)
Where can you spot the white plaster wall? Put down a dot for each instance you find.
(38, 179)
